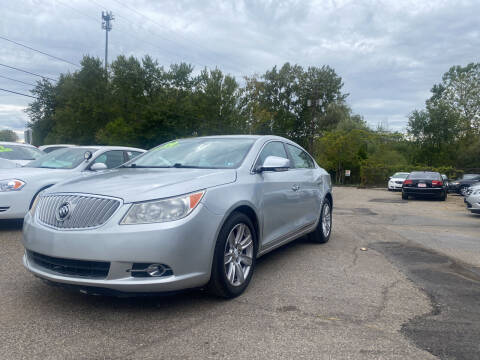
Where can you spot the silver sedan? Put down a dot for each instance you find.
(189, 213)
(20, 186)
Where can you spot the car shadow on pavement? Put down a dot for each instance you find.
(7, 224)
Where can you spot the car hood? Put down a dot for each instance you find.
(26, 173)
(133, 185)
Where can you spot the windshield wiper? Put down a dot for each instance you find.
(135, 166)
(178, 165)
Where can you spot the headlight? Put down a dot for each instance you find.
(162, 210)
(11, 185)
(455, 183)
(476, 192)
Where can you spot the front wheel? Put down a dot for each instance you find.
(322, 232)
(234, 257)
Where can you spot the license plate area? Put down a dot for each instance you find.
(422, 185)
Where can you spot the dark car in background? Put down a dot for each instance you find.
(460, 186)
(424, 184)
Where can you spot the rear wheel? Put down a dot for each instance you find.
(443, 197)
(322, 232)
(404, 196)
(234, 257)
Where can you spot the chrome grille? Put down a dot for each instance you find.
(84, 211)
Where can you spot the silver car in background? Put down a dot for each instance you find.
(17, 154)
(189, 213)
(20, 186)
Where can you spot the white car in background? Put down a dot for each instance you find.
(20, 186)
(473, 200)
(17, 153)
(396, 181)
(49, 148)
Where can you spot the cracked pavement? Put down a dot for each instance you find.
(305, 301)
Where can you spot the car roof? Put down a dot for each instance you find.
(101, 147)
(53, 145)
(246, 136)
(15, 143)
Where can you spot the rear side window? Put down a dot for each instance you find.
(274, 148)
(301, 160)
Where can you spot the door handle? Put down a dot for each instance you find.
(295, 187)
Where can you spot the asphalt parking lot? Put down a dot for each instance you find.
(413, 294)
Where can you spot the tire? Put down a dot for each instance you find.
(404, 196)
(228, 279)
(443, 197)
(322, 232)
(463, 189)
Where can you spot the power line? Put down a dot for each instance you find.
(39, 51)
(27, 72)
(19, 81)
(163, 50)
(198, 46)
(14, 92)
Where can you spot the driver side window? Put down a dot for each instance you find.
(111, 159)
(274, 148)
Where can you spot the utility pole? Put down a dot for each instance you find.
(107, 16)
(316, 102)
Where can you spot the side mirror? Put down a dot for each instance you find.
(98, 167)
(274, 163)
(88, 155)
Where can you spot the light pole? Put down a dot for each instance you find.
(107, 16)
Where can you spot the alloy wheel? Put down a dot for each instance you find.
(238, 255)
(326, 220)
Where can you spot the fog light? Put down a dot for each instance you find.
(156, 270)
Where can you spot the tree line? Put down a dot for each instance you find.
(140, 103)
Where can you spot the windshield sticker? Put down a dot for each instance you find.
(5, 149)
(168, 145)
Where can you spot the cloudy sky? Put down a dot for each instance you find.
(389, 53)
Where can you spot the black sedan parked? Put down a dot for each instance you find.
(424, 183)
(461, 186)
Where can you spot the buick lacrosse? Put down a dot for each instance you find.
(189, 213)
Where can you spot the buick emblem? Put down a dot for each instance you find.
(63, 211)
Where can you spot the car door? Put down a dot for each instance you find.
(280, 200)
(309, 181)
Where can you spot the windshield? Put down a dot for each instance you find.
(67, 158)
(210, 153)
(400, 175)
(470, 176)
(18, 152)
(425, 176)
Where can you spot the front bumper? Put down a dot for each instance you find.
(392, 185)
(473, 203)
(15, 204)
(185, 245)
(454, 188)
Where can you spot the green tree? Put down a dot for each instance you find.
(460, 92)
(8, 135)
